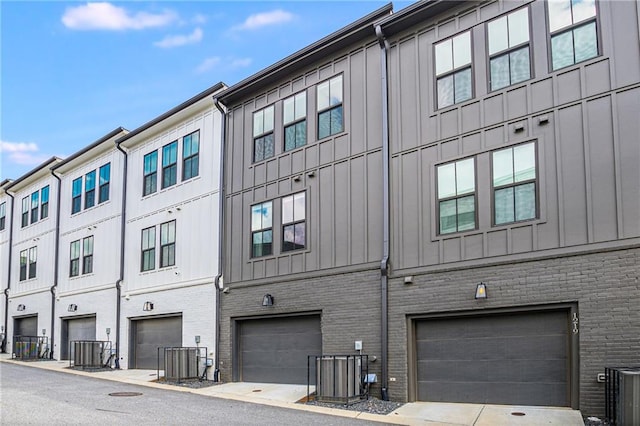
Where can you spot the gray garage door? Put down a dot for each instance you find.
(150, 334)
(275, 350)
(519, 359)
(76, 329)
(27, 326)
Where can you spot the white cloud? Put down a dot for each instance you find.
(240, 63)
(180, 40)
(105, 16)
(228, 63)
(199, 19)
(260, 20)
(207, 64)
(23, 153)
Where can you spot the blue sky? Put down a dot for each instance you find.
(73, 71)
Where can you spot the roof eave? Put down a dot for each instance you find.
(416, 13)
(26, 176)
(69, 160)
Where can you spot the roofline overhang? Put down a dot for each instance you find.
(44, 166)
(67, 161)
(416, 13)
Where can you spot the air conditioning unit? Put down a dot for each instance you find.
(622, 396)
(87, 353)
(338, 378)
(181, 363)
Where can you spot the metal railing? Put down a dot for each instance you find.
(29, 348)
(622, 404)
(339, 378)
(182, 363)
(90, 354)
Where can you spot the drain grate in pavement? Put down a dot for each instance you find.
(125, 394)
(517, 413)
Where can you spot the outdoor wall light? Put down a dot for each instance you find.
(148, 306)
(481, 291)
(267, 300)
(408, 279)
(21, 307)
(72, 307)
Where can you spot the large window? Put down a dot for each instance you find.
(263, 140)
(191, 155)
(87, 255)
(456, 196)
(35, 204)
(261, 229)
(3, 215)
(105, 177)
(74, 259)
(573, 28)
(514, 183)
(168, 244)
(295, 121)
(23, 264)
(90, 189)
(148, 260)
(76, 195)
(150, 173)
(44, 199)
(33, 261)
(453, 70)
(509, 49)
(330, 109)
(293, 222)
(169, 164)
(25, 211)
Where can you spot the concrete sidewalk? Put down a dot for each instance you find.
(286, 396)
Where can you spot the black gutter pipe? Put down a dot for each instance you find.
(123, 223)
(384, 264)
(6, 290)
(56, 266)
(219, 277)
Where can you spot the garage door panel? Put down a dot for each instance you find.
(453, 371)
(75, 329)
(152, 333)
(27, 326)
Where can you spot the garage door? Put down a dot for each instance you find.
(519, 359)
(150, 334)
(27, 326)
(76, 329)
(275, 350)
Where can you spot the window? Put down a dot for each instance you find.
(74, 263)
(261, 229)
(90, 189)
(190, 155)
(25, 211)
(150, 173)
(293, 222)
(44, 199)
(148, 249)
(168, 244)
(509, 49)
(574, 38)
(453, 70)
(33, 261)
(87, 255)
(263, 142)
(514, 183)
(330, 107)
(294, 120)
(76, 194)
(456, 196)
(105, 177)
(169, 164)
(23, 265)
(35, 204)
(3, 215)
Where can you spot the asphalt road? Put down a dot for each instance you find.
(31, 396)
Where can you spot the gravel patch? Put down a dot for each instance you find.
(371, 405)
(188, 383)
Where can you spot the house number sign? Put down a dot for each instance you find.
(574, 320)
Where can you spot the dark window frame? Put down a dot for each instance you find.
(87, 258)
(25, 211)
(76, 195)
(296, 123)
(170, 169)
(74, 262)
(264, 136)
(150, 177)
(104, 183)
(288, 246)
(44, 202)
(331, 108)
(190, 162)
(148, 253)
(35, 206)
(454, 70)
(457, 197)
(90, 189)
(33, 262)
(24, 259)
(262, 231)
(168, 248)
(3, 215)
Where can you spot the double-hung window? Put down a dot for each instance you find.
(168, 244)
(23, 264)
(25, 211)
(295, 121)
(87, 255)
(74, 259)
(330, 108)
(35, 204)
(169, 164)
(191, 155)
(509, 52)
(3, 215)
(457, 196)
(293, 222)
(104, 176)
(261, 229)
(514, 183)
(148, 259)
(573, 28)
(33, 261)
(44, 199)
(263, 139)
(76, 195)
(90, 189)
(453, 70)
(150, 184)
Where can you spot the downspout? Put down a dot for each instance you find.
(56, 267)
(6, 290)
(123, 222)
(384, 264)
(219, 277)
